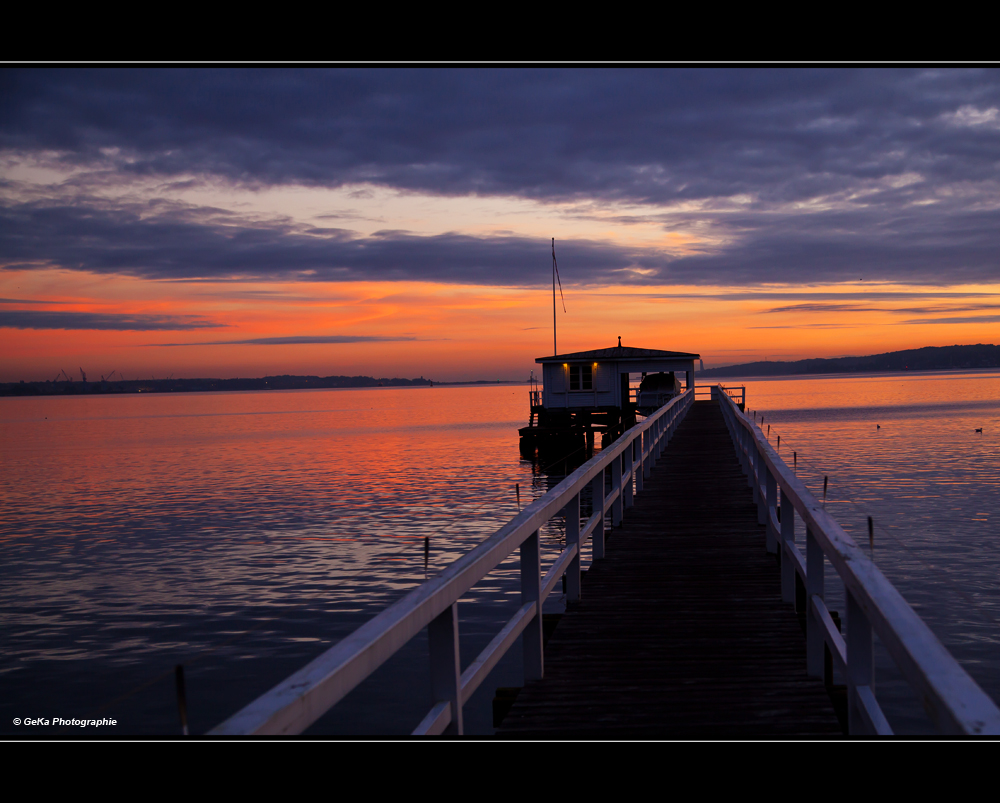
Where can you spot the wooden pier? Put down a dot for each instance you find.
(680, 631)
(688, 626)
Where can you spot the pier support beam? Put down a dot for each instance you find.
(616, 488)
(446, 670)
(597, 538)
(572, 513)
(531, 591)
(628, 467)
(860, 665)
(815, 642)
(770, 509)
(760, 479)
(787, 543)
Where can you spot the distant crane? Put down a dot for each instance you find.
(83, 375)
(68, 377)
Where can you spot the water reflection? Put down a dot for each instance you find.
(905, 451)
(243, 533)
(145, 530)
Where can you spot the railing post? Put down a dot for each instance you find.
(815, 641)
(750, 448)
(860, 663)
(747, 440)
(758, 491)
(628, 467)
(446, 669)
(597, 539)
(640, 460)
(787, 544)
(770, 508)
(616, 486)
(647, 451)
(572, 511)
(531, 591)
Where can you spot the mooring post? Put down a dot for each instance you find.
(860, 663)
(597, 538)
(531, 591)
(572, 511)
(446, 670)
(787, 544)
(815, 641)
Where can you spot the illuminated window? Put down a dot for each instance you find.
(581, 377)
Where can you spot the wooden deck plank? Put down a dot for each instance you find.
(681, 631)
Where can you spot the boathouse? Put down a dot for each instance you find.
(589, 391)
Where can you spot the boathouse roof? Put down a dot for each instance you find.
(619, 354)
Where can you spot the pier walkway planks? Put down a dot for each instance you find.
(681, 631)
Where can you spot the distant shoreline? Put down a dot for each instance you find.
(849, 374)
(932, 358)
(71, 387)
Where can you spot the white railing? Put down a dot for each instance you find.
(951, 698)
(737, 394)
(294, 704)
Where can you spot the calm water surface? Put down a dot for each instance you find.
(243, 533)
(904, 450)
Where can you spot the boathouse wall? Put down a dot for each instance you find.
(606, 385)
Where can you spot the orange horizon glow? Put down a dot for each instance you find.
(455, 332)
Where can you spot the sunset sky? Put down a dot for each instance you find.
(397, 222)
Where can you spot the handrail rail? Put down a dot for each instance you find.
(298, 701)
(953, 700)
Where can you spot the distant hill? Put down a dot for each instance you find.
(284, 382)
(931, 358)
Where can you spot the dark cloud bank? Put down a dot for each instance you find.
(848, 174)
(187, 245)
(43, 319)
(650, 135)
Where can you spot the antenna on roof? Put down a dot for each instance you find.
(555, 277)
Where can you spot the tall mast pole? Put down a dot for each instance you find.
(555, 349)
